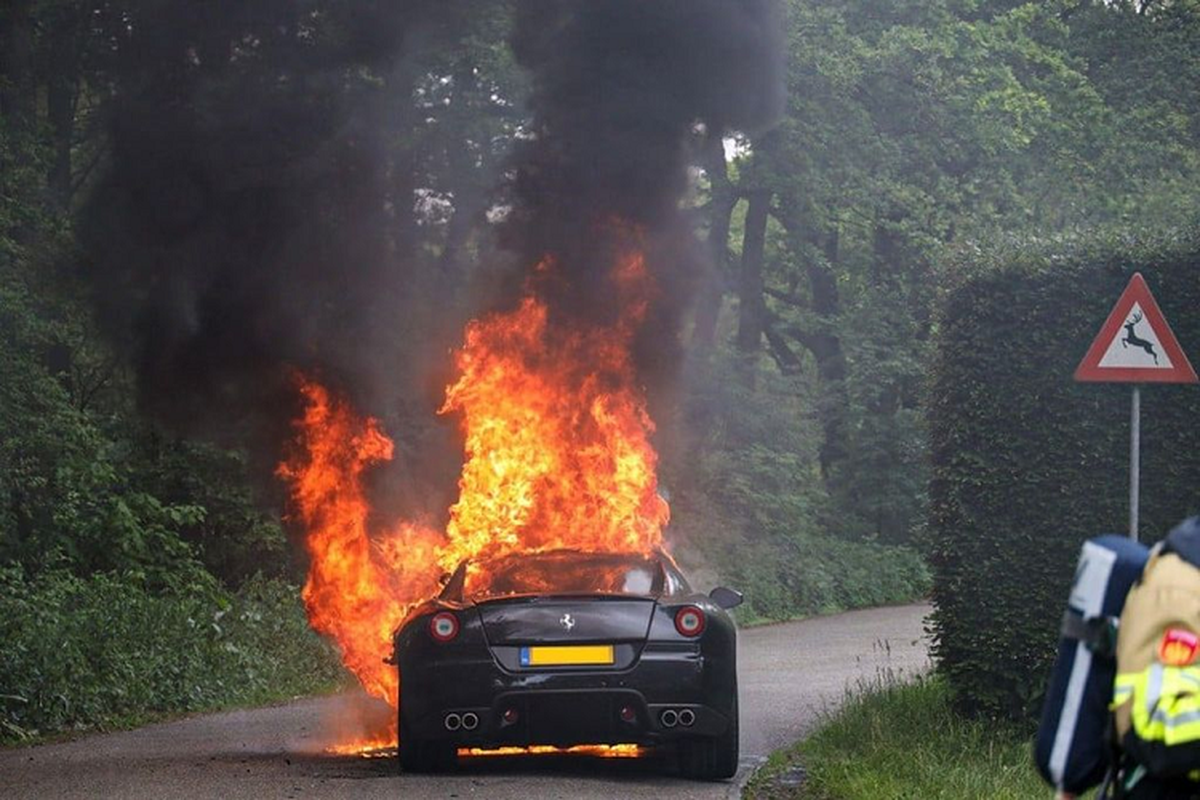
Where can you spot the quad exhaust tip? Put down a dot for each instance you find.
(468, 721)
(671, 717)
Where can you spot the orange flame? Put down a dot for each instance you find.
(592, 750)
(557, 436)
(358, 589)
(557, 454)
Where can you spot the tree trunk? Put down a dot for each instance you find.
(60, 97)
(18, 86)
(468, 197)
(402, 85)
(826, 304)
(827, 350)
(468, 210)
(751, 316)
(723, 199)
(820, 338)
(62, 87)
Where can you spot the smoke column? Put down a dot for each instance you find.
(252, 217)
(620, 87)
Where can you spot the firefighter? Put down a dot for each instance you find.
(1156, 694)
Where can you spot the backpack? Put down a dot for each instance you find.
(1156, 694)
(1071, 750)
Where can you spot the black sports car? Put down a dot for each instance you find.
(566, 648)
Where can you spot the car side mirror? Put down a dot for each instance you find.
(726, 598)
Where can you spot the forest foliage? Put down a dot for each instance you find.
(376, 137)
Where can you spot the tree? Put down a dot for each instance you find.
(910, 128)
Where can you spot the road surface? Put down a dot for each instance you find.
(789, 675)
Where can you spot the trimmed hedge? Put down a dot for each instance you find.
(1027, 464)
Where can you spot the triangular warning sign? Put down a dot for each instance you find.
(1136, 344)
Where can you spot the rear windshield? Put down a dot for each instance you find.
(564, 573)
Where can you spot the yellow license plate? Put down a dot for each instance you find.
(567, 656)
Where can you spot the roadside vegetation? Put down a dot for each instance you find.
(102, 651)
(890, 741)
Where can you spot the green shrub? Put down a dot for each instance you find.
(82, 651)
(1027, 464)
(811, 573)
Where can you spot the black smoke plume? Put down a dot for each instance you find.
(620, 89)
(254, 215)
(255, 212)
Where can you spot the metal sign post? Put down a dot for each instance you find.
(1147, 352)
(1135, 460)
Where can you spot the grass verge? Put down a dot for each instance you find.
(902, 741)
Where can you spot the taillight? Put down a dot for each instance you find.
(689, 621)
(443, 626)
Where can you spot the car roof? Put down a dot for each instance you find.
(455, 585)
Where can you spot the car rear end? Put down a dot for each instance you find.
(567, 670)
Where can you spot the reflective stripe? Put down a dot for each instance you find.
(1087, 599)
(1154, 687)
(1122, 690)
(1065, 735)
(1169, 720)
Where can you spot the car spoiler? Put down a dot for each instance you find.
(453, 590)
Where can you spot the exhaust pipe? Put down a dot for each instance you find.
(453, 722)
(470, 721)
(687, 717)
(669, 718)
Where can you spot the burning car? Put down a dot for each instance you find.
(567, 648)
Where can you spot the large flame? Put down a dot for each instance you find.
(557, 454)
(557, 434)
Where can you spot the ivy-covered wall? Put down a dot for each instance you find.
(1027, 464)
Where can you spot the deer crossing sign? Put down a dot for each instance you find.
(1136, 344)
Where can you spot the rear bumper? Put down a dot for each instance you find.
(568, 707)
(564, 719)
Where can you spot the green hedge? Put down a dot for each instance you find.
(1028, 464)
(79, 652)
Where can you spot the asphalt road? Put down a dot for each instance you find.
(789, 675)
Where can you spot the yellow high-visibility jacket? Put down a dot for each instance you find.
(1156, 695)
